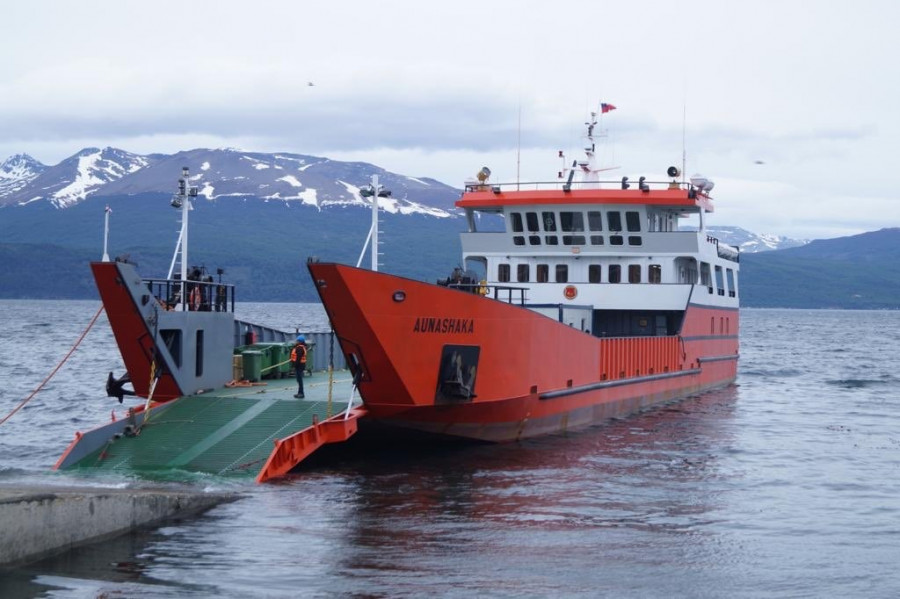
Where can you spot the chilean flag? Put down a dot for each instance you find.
(604, 107)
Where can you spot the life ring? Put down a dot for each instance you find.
(195, 299)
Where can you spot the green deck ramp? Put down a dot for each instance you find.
(219, 434)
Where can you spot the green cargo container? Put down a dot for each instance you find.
(252, 365)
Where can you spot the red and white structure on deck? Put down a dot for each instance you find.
(591, 303)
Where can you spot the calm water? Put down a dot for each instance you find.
(787, 484)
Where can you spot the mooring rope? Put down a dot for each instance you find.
(58, 366)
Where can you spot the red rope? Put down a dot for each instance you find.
(58, 366)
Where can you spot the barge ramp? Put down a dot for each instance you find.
(251, 429)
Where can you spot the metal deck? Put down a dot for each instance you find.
(231, 431)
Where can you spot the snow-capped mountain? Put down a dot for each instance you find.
(753, 242)
(749, 242)
(77, 177)
(17, 172)
(290, 178)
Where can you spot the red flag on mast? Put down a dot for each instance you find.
(604, 107)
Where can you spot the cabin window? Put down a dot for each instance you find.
(635, 240)
(633, 220)
(705, 278)
(594, 271)
(571, 222)
(551, 239)
(614, 221)
(198, 364)
(534, 240)
(616, 240)
(720, 283)
(596, 239)
(543, 273)
(615, 273)
(634, 273)
(573, 240)
(531, 219)
(654, 273)
(503, 273)
(523, 273)
(515, 220)
(562, 273)
(595, 220)
(549, 221)
(732, 288)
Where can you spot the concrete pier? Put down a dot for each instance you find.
(39, 521)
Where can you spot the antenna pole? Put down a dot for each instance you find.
(106, 234)
(683, 141)
(519, 147)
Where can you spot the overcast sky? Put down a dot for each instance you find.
(792, 108)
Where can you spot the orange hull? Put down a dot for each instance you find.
(448, 362)
(133, 335)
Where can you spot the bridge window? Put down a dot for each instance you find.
(596, 239)
(654, 273)
(595, 220)
(549, 221)
(614, 221)
(543, 273)
(615, 273)
(523, 273)
(515, 220)
(534, 239)
(531, 219)
(616, 240)
(635, 240)
(562, 273)
(573, 240)
(634, 273)
(571, 221)
(633, 220)
(551, 239)
(594, 271)
(518, 240)
(503, 273)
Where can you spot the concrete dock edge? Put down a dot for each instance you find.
(36, 522)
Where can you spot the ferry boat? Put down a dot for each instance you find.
(591, 303)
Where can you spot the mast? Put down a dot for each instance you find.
(182, 200)
(375, 224)
(374, 191)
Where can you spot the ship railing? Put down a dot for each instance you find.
(503, 293)
(625, 183)
(200, 296)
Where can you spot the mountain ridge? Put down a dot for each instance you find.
(280, 176)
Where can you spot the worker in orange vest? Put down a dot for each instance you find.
(298, 359)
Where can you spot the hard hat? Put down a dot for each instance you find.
(301, 339)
